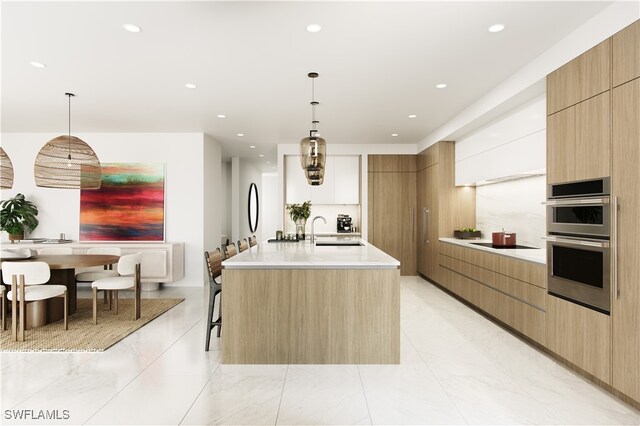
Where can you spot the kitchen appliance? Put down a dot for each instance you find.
(579, 208)
(578, 252)
(344, 223)
(503, 239)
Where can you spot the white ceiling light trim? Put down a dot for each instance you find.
(412, 116)
(38, 64)
(221, 116)
(496, 28)
(314, 28)
(190, 86)
(441, 85)
(132, 28)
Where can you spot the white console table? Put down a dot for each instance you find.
(161, 262)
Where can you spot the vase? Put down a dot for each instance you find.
(16, 237)
(300, 224)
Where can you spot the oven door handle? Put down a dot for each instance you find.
(577, 242)
(574, 202)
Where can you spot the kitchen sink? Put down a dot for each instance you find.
(339, 243)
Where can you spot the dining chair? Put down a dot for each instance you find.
(253, 241)
(230, 250)
(26, 279)
(214, 267)
(129, 278)
(55, 250)
(243, 245)
(90, 275)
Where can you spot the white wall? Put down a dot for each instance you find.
(329, 212)
(341, 149)
(515, 206)
(182, 154)
(225, 201)
(608, 22)
(513, 144)
(213, 193)
(269, 206)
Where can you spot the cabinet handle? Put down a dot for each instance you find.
(616, 207)
(425, 225)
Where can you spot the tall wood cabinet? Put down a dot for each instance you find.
(625, 309)
(392, 207)
(442, 207)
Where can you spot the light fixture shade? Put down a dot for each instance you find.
(6, 170)
(314, 177)
(54, 168)
(313, 153)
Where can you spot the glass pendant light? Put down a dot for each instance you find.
(68, 162)
(313, 149)
(6, 170)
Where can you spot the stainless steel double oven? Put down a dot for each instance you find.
(578, 242)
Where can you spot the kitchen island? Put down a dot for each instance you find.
(298, 303)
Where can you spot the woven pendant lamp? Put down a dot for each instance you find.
(6, 170)
(67, 162)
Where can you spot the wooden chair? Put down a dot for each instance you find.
(4, 308)
(243, 245)
(92, 274)
(129, 278)
(253, 241)
(214, 267)
(230, 250)
(25, 279)
(55, 250)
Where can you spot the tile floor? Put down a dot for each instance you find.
(457, 368)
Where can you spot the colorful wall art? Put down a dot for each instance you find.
(129, 206)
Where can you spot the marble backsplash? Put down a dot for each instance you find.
(515, 206)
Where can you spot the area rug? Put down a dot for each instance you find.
(83, 335)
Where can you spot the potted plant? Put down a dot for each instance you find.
(299, 213)
(17, 215)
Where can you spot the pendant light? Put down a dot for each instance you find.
(313, 149)
(6, 170)
(68, 162)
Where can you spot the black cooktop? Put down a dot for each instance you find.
(500, 247)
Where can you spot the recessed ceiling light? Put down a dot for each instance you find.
(441, 86)
(221, 116)
(132, 28)
(268, 162)
(38, 64)
(190, 86)
(241, 135)
(261, 155)
(496, 28)
(252, 146)
(412, 116)
(394, 134)
(314, 28)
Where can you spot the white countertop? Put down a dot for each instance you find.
(532, 255)
(303, 255)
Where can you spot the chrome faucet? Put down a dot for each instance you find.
(313, 221)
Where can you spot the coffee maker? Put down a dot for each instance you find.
(344, 223)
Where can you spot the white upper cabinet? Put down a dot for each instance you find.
(341, 182)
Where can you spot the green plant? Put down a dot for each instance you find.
(299, 211)
(17, 215)
(469, 230)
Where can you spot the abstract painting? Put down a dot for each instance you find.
(129, 206)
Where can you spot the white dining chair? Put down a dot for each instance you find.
(129, 279)
(26, 279)
(89, 275)
(55, 250)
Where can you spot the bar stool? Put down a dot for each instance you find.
(214, 267)
(243, 245)
(253, 241)
(230, 250)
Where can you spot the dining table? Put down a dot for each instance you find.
(63, 271)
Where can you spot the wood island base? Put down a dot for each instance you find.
(311, 316)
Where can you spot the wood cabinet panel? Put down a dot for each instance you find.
(581, 336)
(625, 309)
(561, 144)
(593, 140)
(626, 54)
(585, 76)
(428, 157)
(409, 225)
(392, 163)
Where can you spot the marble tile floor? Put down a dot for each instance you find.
(457, 368)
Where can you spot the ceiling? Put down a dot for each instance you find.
(378, 62)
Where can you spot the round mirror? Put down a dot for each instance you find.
(254, 207)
